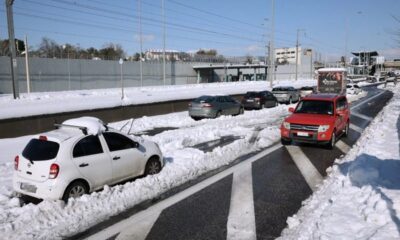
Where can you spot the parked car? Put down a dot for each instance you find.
(317, 118)
(80, 157)
(304, 91)
(259, 100)
(286, 94)
(353, 89)
(214, 106)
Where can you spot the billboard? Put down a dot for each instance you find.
(332, 81)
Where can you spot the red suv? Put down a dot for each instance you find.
(317, 118)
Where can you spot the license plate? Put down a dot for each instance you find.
(28, 187)
(250, 100)
(302, 134)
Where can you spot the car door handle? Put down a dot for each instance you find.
(116, 158)
(84, 165)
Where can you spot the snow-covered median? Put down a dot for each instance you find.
(360, 199)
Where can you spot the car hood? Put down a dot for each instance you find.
(310, 119)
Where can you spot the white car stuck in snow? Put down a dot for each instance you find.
(79, 157)
(353, 89)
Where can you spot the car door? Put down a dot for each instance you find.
(126, 155)
(340, 118)
(232, 105)
(91, 160)
(270, 99)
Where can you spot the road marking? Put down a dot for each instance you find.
(356, 128)
(158, 207)
(241, 220)
(140, 230)
(365, 117)
(366, 100)
(307, 169)
(343, 146)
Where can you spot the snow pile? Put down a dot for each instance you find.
(361, 197)
(55, 102)
(94, 126)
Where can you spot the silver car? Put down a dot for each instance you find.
(214, 106)
(286, 94)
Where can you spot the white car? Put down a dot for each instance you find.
(353, 89)
(80, 157)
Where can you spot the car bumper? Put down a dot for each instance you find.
(305, 136)
(283, 99)
(206, 113)
(51, 189)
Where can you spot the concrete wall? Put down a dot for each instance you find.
(76, 74)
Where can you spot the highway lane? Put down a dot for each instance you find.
(278, 188)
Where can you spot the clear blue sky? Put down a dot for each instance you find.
(234, 28)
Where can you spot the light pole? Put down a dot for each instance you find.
(272, 47)
(11, 41)
(122, 79)
(163, 15)
(28, 78)
(141, 42)
(297, 51)
(68, 66)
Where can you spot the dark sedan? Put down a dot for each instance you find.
(259, 100)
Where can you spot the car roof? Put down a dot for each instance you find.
(322, 96)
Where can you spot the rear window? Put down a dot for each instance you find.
(204, 99)
(40, 150)
(252, 94)
(280, 89)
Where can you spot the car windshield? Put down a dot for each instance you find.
(315, 107)
(204, 99)
(251, 94)
(40, 150)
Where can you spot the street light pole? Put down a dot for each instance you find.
(297, 51)
(163, 15)
(11, 45)
(122, 79)
(272, 47)
(141, 42)
(28, 78)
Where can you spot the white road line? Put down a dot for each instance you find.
(356, 128)
(362, 116)
(140, 230)
(158, 207)
(241, 220)
(366, 100)
(343, 146)
(307, 169)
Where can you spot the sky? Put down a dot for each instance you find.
(233, 28)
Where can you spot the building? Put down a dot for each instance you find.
(287, 55)
(157, 54)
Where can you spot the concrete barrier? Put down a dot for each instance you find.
(16, 127)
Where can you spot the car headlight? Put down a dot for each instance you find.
(286, 125)
(323, 128)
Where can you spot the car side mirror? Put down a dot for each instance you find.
(291, 109)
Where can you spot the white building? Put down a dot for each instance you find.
(287, 55)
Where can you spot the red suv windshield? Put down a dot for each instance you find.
(315, 107)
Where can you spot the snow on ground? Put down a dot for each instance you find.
(360, 199)
(56, 102)
(54, 219)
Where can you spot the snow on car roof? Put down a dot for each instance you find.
(93, 125)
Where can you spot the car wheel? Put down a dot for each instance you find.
(74, 190)
(285, 142)
(153, 166)
(346, 129)
(196, 118)
(332, 142)
(241, 111)
(262, 106)
(218, 114)
(276, 103)
(290, 100)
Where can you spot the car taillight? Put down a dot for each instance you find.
(257, 99)
(206, 105)
(16, 162)
(43, 138)
(54, 170)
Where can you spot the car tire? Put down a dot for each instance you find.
(218, 114)
(276, 103)
(290, 100)
(241, 111)
(74, 190)
(346, 129)
(262, 106)
(196, 118)
(285, 142)
(153, 166)
(332, 142)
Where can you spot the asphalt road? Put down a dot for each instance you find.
(255, 194)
